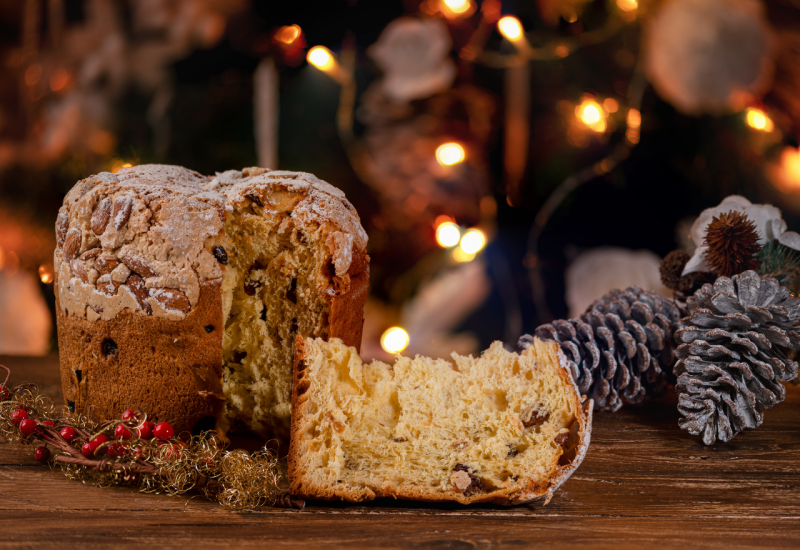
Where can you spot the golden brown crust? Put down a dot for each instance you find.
(169, 369)
(577, 445)
(347, 309)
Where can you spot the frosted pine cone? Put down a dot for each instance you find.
(620, 348)
(733, 354)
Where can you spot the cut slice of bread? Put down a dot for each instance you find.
(503, 428)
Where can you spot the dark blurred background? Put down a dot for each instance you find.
(645, 114)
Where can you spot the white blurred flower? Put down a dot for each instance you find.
(709, 56)
(413, 55)
(597, 271)
(767, 219)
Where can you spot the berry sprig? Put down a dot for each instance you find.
(138, 452)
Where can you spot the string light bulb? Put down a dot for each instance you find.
(758, 120)
(449, 154)
(395, 340)
(288, 34)
(448, 234)
(510, 27)
(457, 7)
(321, 57)
(473, 241)
(592, 115)
(46, 273)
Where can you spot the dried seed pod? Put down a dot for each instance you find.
(101, 216)
(732, 244)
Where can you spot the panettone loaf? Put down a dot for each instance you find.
(503, 428)
(180, 294)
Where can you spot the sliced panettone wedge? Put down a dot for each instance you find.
(504, 428)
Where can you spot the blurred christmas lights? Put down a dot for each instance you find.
(395, 340)
(592, 115)
(321, 58)
(627, 5)
(119, 164)
(510, 27)
(288, 34)
(473, 241)
(448, 234)
(449, 154)
(758, 120)
(456, 8)
(46, 273)
(634, 122)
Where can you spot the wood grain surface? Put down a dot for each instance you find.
(644, 483)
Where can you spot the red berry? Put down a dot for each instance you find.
(41, 453)
(115, 450)
(130, 415)
(87, 451)
(121, 432)
(68, 434)
(49, 423)
(97, 442)
(5, 395)
(164, 431)
(18, 416)
(145, 431)
(27, 427)
(138, 452)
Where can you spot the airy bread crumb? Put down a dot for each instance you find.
(503, 428)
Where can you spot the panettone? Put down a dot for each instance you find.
(181, 295)
(503, 428)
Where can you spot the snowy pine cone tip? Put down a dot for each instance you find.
(622, 347)
(733, 354)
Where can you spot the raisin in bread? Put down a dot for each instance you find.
(503, 428)
(180, 294)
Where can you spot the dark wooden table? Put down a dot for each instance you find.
(644, 483)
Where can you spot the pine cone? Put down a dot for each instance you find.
(733, 354)
(622, 346)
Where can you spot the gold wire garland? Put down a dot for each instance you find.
(234, 478)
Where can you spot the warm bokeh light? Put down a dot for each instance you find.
(395, 340)
(473, 241)
(59, 79)
(790, 169)
(448, 234)
(46, 273)
(119, 164)
(449, 154)
(458, 6)
(288, 34)
(460, 256)
(592, 115)
(610, 104)
(634, 118)
(634, 122)
(758, 119)
(320, 57)
(627, 5)
(510, 27)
